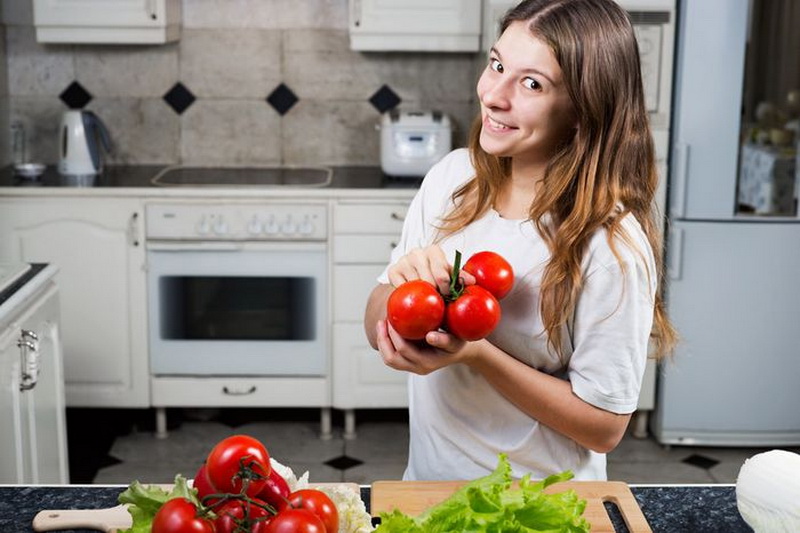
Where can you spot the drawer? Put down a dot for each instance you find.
(349, 249)
(239, 392)
(351, 287)
(369, 218)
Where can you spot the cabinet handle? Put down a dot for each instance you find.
(133, 230)
(355, 5)
(231, 392)
(151, 9)
(392, 245)
(398, 216)
(26, 333)
(29, 359)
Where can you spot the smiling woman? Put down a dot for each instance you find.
(559, 179)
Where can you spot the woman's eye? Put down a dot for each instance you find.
(530, 83)
(496, 65)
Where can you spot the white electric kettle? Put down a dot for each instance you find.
(82, 132)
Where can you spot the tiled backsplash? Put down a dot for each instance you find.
(250, 82)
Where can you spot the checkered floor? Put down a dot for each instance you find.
(118, 446)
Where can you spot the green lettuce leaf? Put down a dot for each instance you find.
(492, 505)
(144, 501)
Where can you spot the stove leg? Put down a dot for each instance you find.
(326, 432)
(349, 424)
(161, 423)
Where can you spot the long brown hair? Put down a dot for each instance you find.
(608, 161)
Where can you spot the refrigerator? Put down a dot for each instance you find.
(733, 280)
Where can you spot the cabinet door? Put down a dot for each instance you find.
(33, 439)
(359, 375)
(96, 244)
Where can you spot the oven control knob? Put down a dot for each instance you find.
(271, 227)
(220, 227)
(288, 227)
(254, 227)
(203, 227)
(306, 227)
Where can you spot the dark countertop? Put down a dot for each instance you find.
(20, 282)
(141, 176)
(668, 509)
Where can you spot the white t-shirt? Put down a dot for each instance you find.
(458, 421)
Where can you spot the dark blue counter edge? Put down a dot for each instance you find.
(668, 508)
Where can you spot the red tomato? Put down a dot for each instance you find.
(491, 272)
(179, 515)
(235, 516)
(236, 461)
(295, 521)
(318, 503)
(204, 486)
(276, 491)
(415, 308)
(473, 315)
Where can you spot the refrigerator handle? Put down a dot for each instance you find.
(675, 253)
(678, 207)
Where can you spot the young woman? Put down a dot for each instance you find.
(559, 179)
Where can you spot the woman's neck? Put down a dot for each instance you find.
(516, 196)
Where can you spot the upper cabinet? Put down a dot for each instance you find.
(107, 21)
(415, 25)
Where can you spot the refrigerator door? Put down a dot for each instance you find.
(733, 296)
(709, 74)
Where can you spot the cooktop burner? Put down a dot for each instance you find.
(178, 176)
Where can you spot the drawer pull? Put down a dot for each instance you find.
(398, 216)
(231, 392)
(392, 245)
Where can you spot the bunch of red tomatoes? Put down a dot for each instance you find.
(469, 312)
(240, 492)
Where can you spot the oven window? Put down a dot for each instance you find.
(237, 308)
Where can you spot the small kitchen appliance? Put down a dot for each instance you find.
(413, 141)
(82, 133)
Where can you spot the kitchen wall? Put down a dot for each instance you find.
(203, 100)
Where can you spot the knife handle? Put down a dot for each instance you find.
(108, 520)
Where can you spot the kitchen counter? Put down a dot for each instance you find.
(668, 508)
(138, 180)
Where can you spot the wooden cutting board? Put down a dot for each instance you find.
(413, 497)
(111, 519)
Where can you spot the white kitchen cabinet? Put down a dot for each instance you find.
(32, 406)
(107, 21)
(96, 244)
(415, 25)
(364, 236)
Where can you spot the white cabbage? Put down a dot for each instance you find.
(768, 492)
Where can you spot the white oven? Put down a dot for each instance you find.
(237, 304)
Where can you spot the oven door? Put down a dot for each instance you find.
(237, 309)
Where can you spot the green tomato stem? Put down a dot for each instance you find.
(456, 287)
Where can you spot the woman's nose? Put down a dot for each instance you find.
(493, 93)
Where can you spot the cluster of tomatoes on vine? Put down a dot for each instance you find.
(469, 312)
(240, 492)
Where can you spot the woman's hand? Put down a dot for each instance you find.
(439, 349)
(429, 264)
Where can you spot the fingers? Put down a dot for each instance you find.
(429, 264)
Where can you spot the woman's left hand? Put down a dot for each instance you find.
(439, 349)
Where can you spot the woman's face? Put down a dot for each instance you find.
(525, 109)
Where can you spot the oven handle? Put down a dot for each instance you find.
(226, 246)
(234, 246)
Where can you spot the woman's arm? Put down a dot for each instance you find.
(548, 399)
(376, 310)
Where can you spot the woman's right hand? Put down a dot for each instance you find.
(429, 264)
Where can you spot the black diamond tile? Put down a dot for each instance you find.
(343, 462)
(384, 99)
(701, 461)
(282, 99)
(179, 98)
(75, 96)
